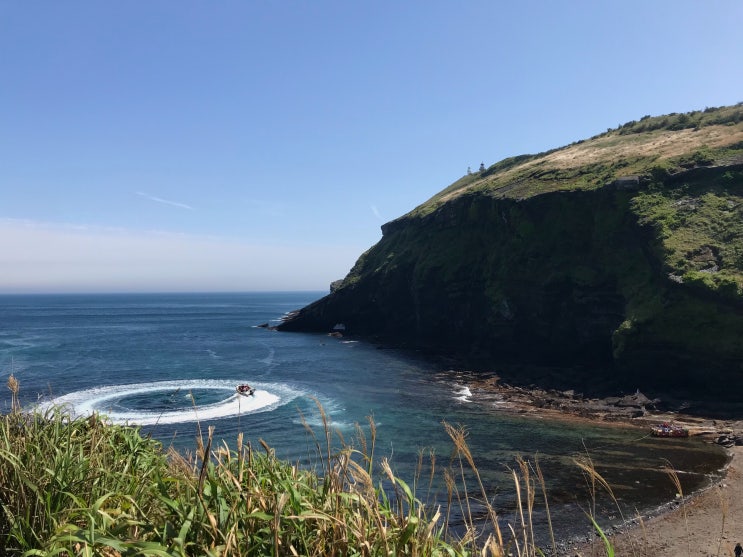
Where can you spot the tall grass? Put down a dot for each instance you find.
(673, 475)
(82, 486)
(59, 474)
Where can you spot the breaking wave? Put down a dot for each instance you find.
(171, 402)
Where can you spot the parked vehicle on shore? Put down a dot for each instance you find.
(669, 430)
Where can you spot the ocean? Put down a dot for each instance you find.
(170, 363)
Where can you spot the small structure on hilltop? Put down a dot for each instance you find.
(626, 183)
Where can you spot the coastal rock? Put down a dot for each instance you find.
(535, 269)
(637, 400)
(725, 440)
(424, 287)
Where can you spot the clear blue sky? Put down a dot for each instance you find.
(259, 145)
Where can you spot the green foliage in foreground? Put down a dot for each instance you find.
(81, 486)
(86, 487)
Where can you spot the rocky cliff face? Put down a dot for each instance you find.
(594, 280)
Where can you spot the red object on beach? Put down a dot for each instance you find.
(669, 430)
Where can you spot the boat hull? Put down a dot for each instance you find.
(245, 390)
(673, 431)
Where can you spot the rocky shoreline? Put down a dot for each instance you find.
(636, 409)
(666, 530)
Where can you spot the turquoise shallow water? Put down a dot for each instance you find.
(171, 363)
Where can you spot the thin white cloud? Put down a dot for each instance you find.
(376, 212)
(164, 201)
(53, 257)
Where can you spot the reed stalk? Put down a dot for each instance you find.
(82, 486)
(673, 475)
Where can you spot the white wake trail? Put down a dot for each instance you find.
(103, 400)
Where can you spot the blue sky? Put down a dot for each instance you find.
(255, 145)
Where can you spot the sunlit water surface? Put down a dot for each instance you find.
(170, 363)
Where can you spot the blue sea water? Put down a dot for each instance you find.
(170, 363)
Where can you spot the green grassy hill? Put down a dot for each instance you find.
(615, 262)
(654, 146)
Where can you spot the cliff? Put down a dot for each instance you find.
(615, 261)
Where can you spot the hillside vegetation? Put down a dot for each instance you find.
(612, 263)
(651, 146)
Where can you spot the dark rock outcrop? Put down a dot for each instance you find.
(565, 288)
(549, 281)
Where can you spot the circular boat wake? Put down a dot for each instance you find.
(171, 402)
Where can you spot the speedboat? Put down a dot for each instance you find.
(245, 390)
